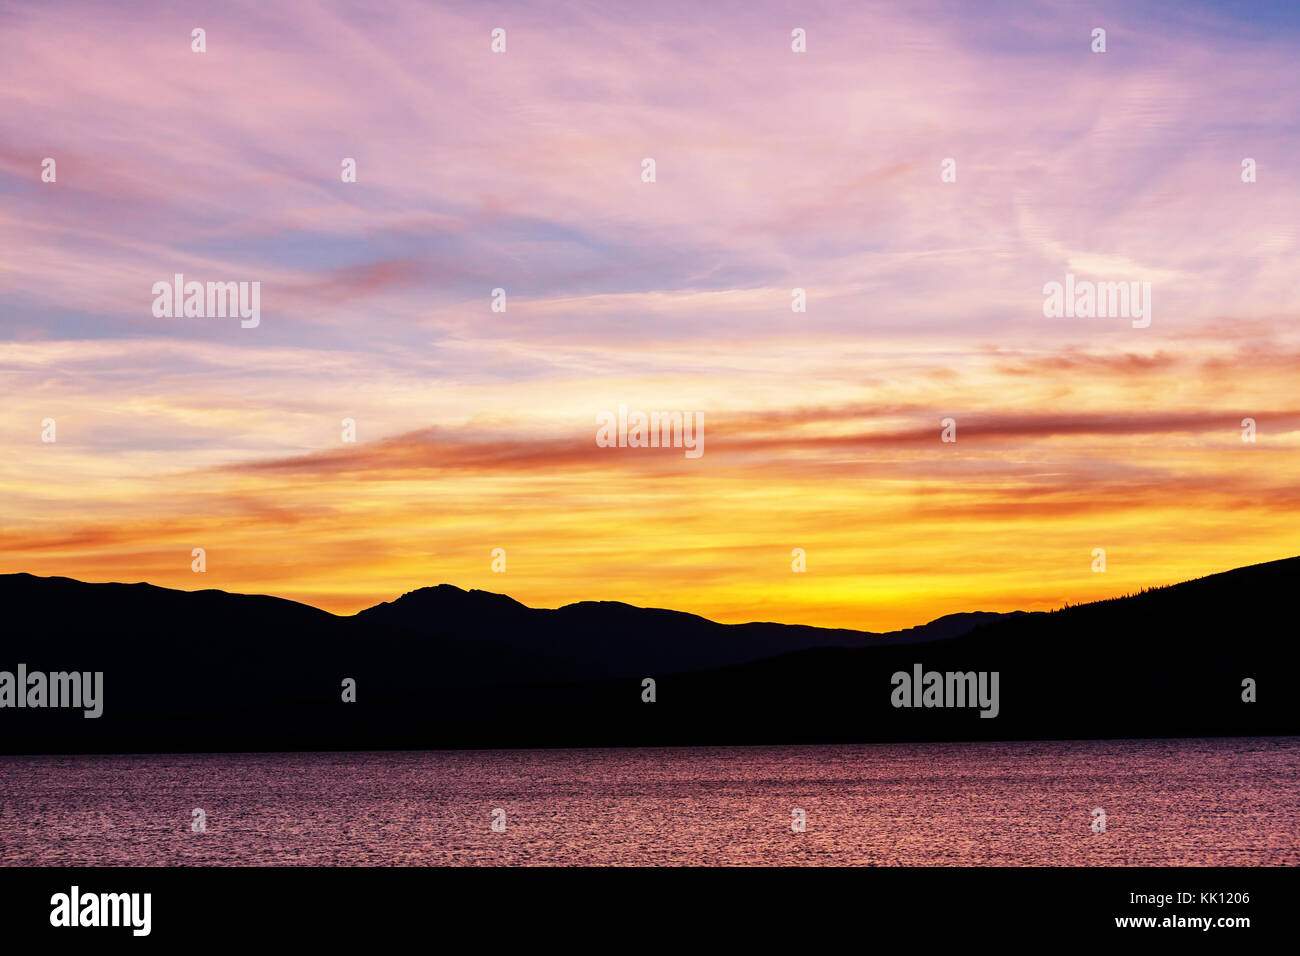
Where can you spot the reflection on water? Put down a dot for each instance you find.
(1166, 802)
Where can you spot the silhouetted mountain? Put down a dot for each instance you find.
(443, 667)
(592, 640)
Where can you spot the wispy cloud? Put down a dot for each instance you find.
(775, 171)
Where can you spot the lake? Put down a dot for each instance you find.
(1166, 802)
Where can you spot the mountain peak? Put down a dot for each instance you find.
(446, 599)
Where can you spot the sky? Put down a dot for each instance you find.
(775, 170)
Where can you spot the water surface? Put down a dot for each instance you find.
(1193, 802)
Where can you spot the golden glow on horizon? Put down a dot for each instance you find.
(898, 527)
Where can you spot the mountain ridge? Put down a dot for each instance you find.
(190, 671)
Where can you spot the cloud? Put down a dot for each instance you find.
(776, 171)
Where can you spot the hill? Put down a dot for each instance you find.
(443, 667)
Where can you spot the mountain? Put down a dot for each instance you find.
(594, 640)
(443, 667)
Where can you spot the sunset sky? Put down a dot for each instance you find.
(775, 170)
